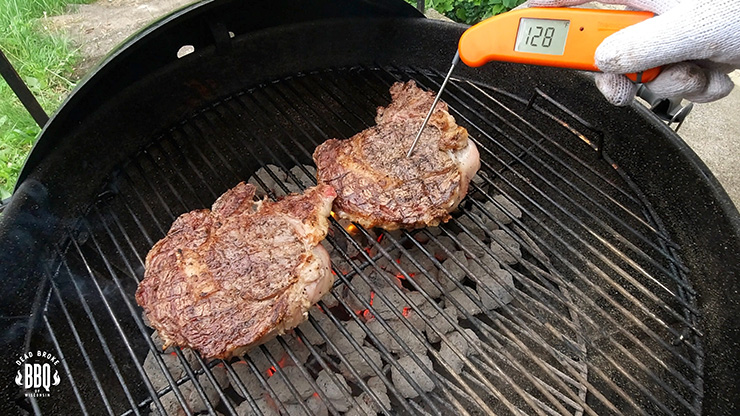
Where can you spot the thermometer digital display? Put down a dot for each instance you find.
(542, 36)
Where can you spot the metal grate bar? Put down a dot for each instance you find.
(651, 353)
(369, 391)
(625, 275)
(610, 231)
(285, 189)
(102, 297)
(599, 290)
(507, 308)
(382, 297)
(566, 151)
(96, 328)
(252, 366)
(599, 302)
(186, 366)
(325, 366)
(647, 350)
(288, 101)
(147, 156)
(286, 380)
(64, 362)
(353, 243)
(641, 237)
(150, 242)
(114, 318)
(540, 405)
(662, 238)
(442, 336)
(241, 387)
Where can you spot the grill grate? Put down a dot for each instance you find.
(553, 291)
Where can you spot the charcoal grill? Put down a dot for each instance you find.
(590, 269)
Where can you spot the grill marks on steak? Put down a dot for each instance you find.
(230, 278)
(378, 186)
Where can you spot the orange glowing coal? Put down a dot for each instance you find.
(366, 313)
(281, 363)
(351, 228)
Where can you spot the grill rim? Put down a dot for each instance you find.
(31, 194)
(214, 193)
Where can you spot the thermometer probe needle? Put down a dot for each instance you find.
(455, 60)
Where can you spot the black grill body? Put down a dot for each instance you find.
(623, 298)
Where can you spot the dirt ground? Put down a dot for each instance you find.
(97, 28)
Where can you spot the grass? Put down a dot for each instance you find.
(44, 62)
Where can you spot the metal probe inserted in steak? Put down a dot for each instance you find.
(455, 60)
(379, 186)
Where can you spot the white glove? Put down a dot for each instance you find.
(696, 41)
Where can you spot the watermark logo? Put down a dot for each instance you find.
(37, 373)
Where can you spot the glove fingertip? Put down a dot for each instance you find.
(617, 89)
(719, 85)
(616, 54)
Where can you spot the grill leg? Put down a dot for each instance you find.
(21, 91)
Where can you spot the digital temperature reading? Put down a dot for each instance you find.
(541, 36)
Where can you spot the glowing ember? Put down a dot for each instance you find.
(406, 311)
(270, 371)
(283, 361)
(366, 313)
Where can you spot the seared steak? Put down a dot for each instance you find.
(227, 279)
(378, 186)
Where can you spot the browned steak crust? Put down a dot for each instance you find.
(224, 280)
(378, 186)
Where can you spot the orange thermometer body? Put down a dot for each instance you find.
(558, 37)
(562, 37)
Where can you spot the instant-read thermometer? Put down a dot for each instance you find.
(561, 37)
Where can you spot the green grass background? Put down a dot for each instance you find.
(44, 62)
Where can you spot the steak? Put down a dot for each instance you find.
(378, 186)
(227, 279)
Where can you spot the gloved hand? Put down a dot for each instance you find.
(696, 41)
